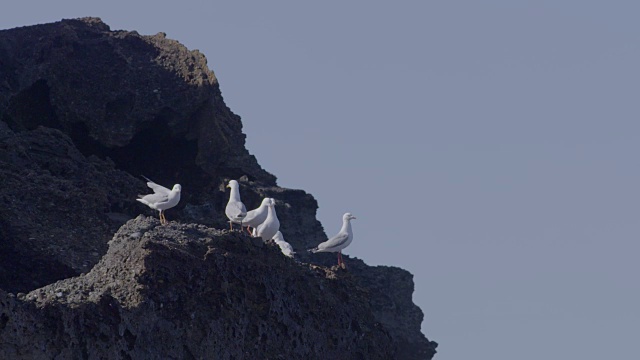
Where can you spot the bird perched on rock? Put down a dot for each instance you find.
(235, 210)
(161, 199)
(340, 241)
(285, 247)
(268, 229)
(256, 216)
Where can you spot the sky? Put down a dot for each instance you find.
(489, 147)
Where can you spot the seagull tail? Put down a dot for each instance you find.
(146, 178)
(313, 250)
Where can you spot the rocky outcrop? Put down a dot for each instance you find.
(186, 291)
(117, 92)
(83, 112)
(58, 207)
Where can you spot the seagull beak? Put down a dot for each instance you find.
(353, 217)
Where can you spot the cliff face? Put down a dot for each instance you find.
(83, 111)
(188, 292)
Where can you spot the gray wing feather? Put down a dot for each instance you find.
(335, 241)
(157, 189)
(236, 209)
(155, 198)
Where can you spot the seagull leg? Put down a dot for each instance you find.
(230, 225)
(249, 231)
(342, 265)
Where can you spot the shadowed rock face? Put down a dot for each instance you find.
(116, 91)
(57, 207)
(186, 291)
(83, 112)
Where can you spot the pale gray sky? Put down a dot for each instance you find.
(489, 147)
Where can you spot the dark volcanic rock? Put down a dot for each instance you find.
(123, 95)
(391, 295)
(56, 206)
(83, 112)
(192, 292)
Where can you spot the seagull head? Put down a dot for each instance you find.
(265, 202)
(232, 184)
(347, 217)
(177, 188)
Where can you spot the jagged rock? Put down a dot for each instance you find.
(117, 92)
(390, 292)
(83, 112)
(53, 217)
(186, 291)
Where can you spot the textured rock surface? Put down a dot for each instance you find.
(58, 207)
(115, 91)
(82, 113)
(188, 292)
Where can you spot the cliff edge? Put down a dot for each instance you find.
(83, 111)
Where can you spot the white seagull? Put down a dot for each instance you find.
(285, 247)
(256, 216)
(235, 210)
(161, 199)
(268, 229)
(340, 241)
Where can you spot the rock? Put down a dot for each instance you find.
(54, 203)
(188, 291)
(117, 92)
(84, 111)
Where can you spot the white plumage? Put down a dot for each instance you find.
(340, 241)
(268, 229)
(235, 210)
(256, 216)
(161, 199)
(285, 247)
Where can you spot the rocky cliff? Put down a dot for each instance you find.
(83, 112)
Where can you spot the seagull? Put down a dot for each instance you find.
(338, 242)
(268, 229)
(285, 247)
(235, 210)
(257, 216)
(161, 199)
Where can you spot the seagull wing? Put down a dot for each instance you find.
(155, 198)
(158, 189)
(235, 210)
(286, 248)
(335, 242)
